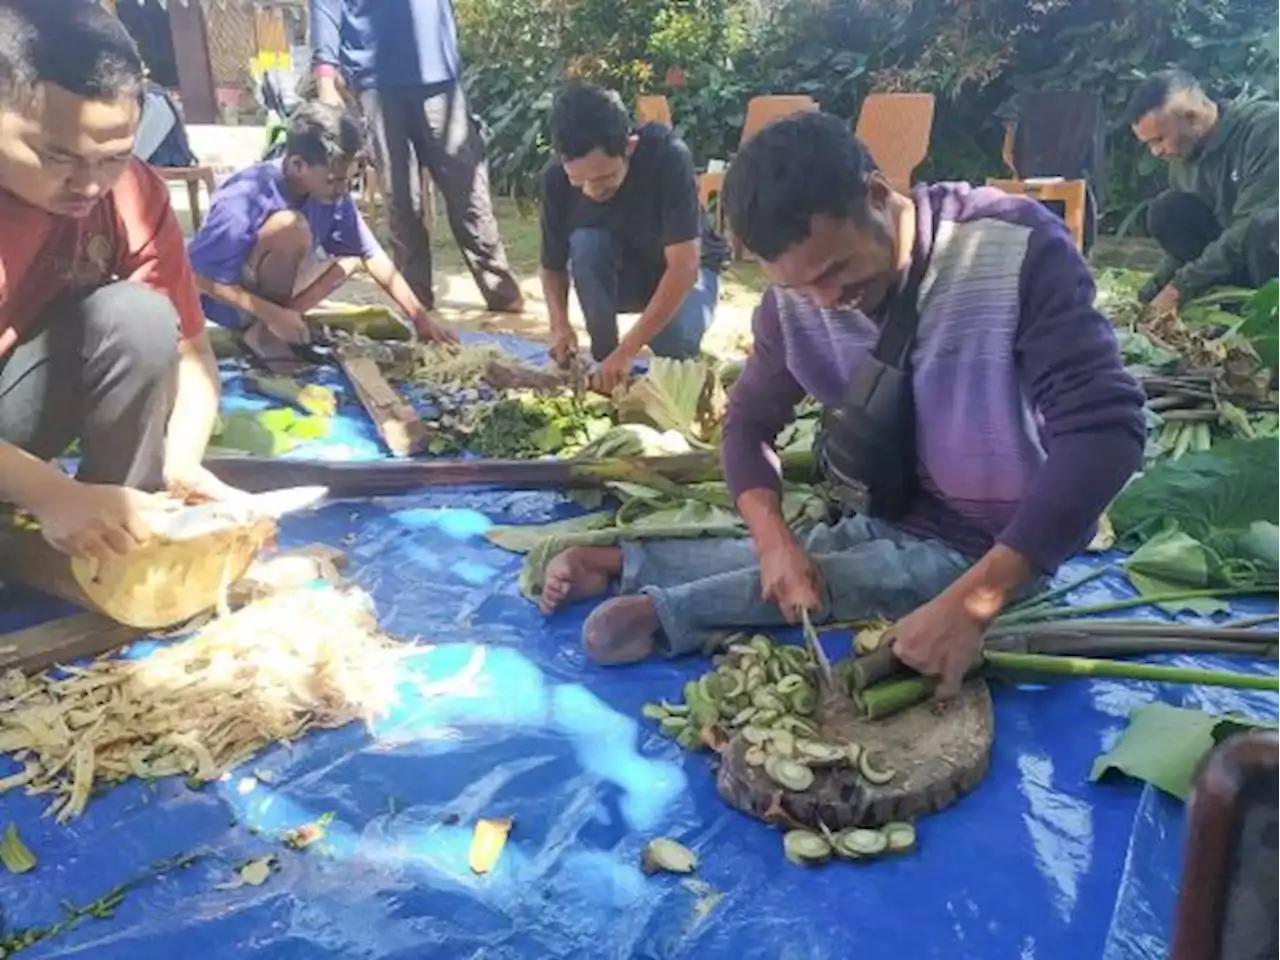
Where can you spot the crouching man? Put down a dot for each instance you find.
(101, 335)
(1003, 421)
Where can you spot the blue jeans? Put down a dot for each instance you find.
(870, 570)
(607, 287)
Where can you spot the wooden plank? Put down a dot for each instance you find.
(63, 640)
(400, 428)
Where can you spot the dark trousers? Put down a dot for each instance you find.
(1184, 225)
(98, 367)
(431, 127)
(607, 286)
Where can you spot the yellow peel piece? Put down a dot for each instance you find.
(14, 853)
(487, 841)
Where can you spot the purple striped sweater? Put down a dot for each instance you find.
(1027, 422)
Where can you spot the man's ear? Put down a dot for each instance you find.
(633, 141)
(878, 190)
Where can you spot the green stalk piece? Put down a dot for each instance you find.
(805, 848)
(788, 773)
(1084, 667)
(878, 776)
(899, 836)
(857, 843)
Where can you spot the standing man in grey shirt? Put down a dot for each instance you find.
(400, 58)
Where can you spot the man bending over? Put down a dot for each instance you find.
(1026, 423)
(257, 255)
(621, 217)
(1217, 223)
(101, 334)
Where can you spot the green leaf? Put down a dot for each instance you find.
(521, 538)
(1163, 745)
(1260, 324)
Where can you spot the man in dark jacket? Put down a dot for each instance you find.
(1217, 224)
(400, 58)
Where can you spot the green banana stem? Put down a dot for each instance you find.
(1058, 666)
(1037, 614)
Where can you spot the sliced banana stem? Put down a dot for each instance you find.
(805, 848)
(665, 855)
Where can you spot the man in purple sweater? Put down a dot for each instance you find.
(1026, 422)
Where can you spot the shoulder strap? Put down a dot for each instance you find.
(898, 336)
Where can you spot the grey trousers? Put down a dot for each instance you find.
(432, 127)
(870, 569)
(98, 367)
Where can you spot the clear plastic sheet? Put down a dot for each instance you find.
(502, 715)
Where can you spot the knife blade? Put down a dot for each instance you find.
(202, 519)
(825, 674)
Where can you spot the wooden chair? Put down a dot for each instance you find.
(896, 128)
(192, 177)
(761, 111)
(1072, 194)
(653, 109)
(1056, 137)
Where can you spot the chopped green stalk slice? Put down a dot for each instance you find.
(869, 639)
(690, 738)
(765, 717)
(755, 756)
(673, 725)
(762, 646)
(819, 753)
(899, 836)
(804, 701)
(766, 699)
(755, 676)
(734, 683)
(719, 660)
(669, 856)
(709, 686)
(790, 683)
(797, 659)
(852, 753)
(742, 650)
(14, 853)
(788, 773)
(728, 709)
(782, 743)
(775, 670)
(756, 736)
(805, 848)
(873, 774)
(655, 711)
(798, 725)
(674, 709)
(743, 716)
(863, 843)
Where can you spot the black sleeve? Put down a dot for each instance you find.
(555, 216)
(681, 215)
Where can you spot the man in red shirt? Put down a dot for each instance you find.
(101, 334)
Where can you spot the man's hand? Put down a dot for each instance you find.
(1166, 302)
(431, 329)
(789, 577)
(193, 483)
(286, 324)
(612, 372)
(96, 520)
(564, 346)
(941, 639)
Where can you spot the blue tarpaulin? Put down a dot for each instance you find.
(502, 715)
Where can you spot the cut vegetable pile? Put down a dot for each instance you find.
(303, 659)
(765, 695)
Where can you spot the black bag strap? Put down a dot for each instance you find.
(898, 335)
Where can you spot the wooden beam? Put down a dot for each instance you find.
(400, 428)
(63, 640)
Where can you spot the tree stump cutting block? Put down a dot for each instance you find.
(939, 753)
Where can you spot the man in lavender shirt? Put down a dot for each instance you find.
(256, 256)
(1027, 423)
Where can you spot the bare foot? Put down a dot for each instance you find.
(578, 573)
(621, 630)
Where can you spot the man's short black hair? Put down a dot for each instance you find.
(792, 170)
(585, 118)
(1155, 91)
(322, 134)
(73, 44)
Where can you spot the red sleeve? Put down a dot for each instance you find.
(151, 249)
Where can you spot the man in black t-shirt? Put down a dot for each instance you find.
(620, 215)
